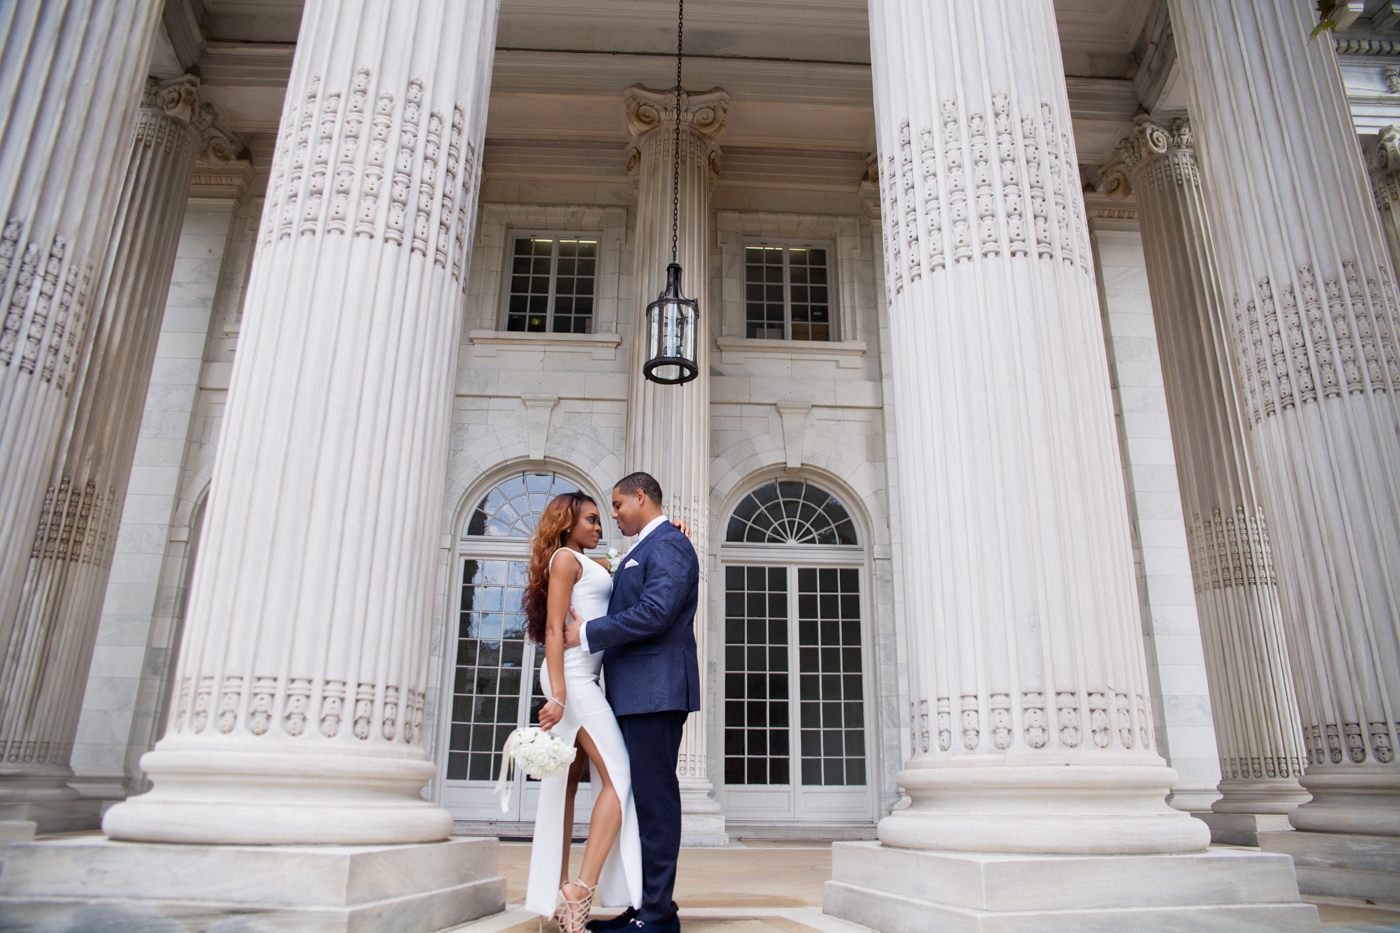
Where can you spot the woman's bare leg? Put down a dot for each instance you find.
(575, 772)
(605, 823)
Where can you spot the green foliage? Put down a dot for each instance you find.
(1325, 9)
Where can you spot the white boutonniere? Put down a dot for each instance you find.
(614, 559)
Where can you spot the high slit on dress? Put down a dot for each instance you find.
(586, 707)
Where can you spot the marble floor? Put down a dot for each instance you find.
(767, 887)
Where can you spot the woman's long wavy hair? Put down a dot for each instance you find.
(561, 515)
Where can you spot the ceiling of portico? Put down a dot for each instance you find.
(797, 70)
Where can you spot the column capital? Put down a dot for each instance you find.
(179, 99)
(1149, 140)
(1383, 152)
(705, 112)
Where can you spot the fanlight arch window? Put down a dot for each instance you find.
(791, 512)
(514, 506)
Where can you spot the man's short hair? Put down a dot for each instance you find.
(643, 481)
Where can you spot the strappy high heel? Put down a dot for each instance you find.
(571, 914)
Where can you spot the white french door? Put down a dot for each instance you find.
(796, 705)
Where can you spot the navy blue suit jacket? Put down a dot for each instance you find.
(648, 636)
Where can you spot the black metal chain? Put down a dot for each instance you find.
(676, 153)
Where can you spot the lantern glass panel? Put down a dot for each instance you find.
(671, 334)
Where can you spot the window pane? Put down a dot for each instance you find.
(763, 310)
(756, 704)
(486, 702)
(832, 705)
(574, 276)
(810, 302)
(569, 265)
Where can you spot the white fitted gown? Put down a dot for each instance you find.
(620, 882)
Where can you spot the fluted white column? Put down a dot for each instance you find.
(1313, 315)
(300, 686)
(668, 430)
(71, 73)
(53, 633)
(1252, 697)
(1025, 662)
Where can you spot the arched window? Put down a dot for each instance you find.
(796, 710)
(790, 512)
(512, 508)
(496, 685)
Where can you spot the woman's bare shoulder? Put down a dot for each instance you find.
(573, 568)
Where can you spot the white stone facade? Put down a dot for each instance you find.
(987, 402)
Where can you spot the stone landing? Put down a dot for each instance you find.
(911, 891)
(96, 885)
(1342, 865)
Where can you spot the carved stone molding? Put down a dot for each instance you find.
(996, 184)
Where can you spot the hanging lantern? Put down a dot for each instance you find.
(672, 319)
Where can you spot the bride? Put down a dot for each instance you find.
(577, 711)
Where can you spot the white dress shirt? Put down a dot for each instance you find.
(650, 527)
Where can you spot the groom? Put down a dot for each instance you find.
(653, 683)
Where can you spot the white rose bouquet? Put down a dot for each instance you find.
(538, 753)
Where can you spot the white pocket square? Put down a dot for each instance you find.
(630, 563)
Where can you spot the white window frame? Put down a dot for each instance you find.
(796, 802)
(508, 260)
(833, 310)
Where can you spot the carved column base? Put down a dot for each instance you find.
(900, 891)
(1268, 795)
(91, 883)
(47, 803)
(1065, 809)
(239, 796)
(1362, 799)
(702, 822)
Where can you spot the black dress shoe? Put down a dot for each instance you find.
(616, 923)
(621, 920)
(659, 926)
